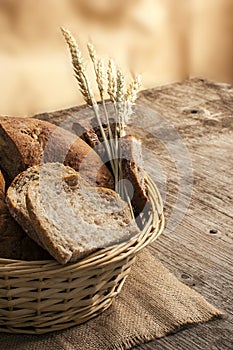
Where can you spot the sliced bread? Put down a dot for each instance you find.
(25, 142)
(14, 242)
(16, 193)
(130, 153)
(73, 219)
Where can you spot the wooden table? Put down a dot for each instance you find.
(199, 250)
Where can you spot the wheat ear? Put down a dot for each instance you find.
(131, 96)
(92, 52)
(112, 80)
(133, 89)
(79, 70)
(120, 86)
(100, 78)
(98, 68)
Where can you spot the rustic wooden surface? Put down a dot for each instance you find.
(202, 113)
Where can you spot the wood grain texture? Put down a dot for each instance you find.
(202, 113)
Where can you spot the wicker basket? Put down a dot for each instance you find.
(43, 296)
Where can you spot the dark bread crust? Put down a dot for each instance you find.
(25, 142)
(14, 242)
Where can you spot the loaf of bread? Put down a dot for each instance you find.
(14, 242)
(25, 142)
(71, 219)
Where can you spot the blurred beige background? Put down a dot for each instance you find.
(164, 40)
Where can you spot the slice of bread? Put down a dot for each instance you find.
(73, 219)
(16, 193)
(130, 153)
(25, 142)
(14, 242)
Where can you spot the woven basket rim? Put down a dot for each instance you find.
(151, 231)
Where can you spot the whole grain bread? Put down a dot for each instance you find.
(25, 142)
(14, 242)
(73, 219)
(130, 153)
(16, 193)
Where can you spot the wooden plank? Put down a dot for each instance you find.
(202, 113)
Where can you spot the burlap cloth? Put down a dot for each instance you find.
(151, 304)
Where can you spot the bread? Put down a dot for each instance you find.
(16, 193)
(71, 218)
(130, 150)
(14, 242)
(86, 132)
(25, 142)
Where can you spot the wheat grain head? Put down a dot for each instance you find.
(112, 80)
(120, 86)
(133, 89)
(79, 70)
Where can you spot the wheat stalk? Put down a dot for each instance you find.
(100, 79)
(84, 84)
(116, 89)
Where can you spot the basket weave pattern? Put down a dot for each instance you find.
(43, 296)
